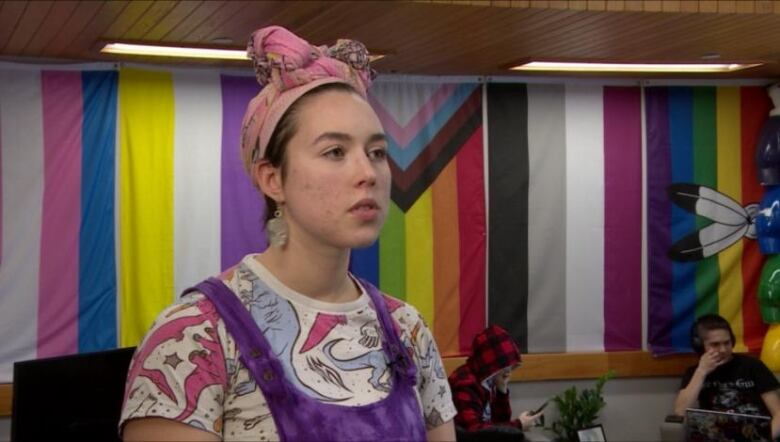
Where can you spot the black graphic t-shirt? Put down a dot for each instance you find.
(736, 386)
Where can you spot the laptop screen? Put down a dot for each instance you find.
(706, 425)
(77, 397)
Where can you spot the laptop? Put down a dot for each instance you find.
(594, 433)
(706, 425)
(76, 397)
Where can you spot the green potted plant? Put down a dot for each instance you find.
(578, 411)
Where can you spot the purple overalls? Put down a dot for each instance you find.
(299, 417)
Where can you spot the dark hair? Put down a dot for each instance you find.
(707, 323)
(275, 153)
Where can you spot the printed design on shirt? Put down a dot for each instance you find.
(733, 396)
(323, 324)
(372, 359)
(433, 419)
(251, 423)
(369, 335)
(425, 350)
(241, 388)
(369, 338)
(279, 323)
(204, 373)
(326, 372)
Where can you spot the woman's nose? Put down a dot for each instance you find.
(366, 174)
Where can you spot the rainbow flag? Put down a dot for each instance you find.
(565, 215)
(700, 147)
(431, 251)
(119, 190)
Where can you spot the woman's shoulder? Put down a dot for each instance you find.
(191, 312)
(401, 310)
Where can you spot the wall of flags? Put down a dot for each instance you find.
(515, 204)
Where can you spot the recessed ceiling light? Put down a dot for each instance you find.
(174, 51)
(185, 52)
(549, 66)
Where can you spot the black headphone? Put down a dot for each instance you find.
(714, 322)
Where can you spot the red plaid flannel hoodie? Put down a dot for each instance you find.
(492, 350)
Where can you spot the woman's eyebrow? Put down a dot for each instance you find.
(343, 137)
(377, 137)
(334, 136)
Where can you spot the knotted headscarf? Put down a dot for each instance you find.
(287, 67)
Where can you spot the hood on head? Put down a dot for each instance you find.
(491, 351)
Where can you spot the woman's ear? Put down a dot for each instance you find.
(268, 179)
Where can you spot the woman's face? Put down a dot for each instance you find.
(337, 187)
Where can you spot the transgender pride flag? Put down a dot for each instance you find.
(119, 189)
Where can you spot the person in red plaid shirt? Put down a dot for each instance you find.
(480, 387)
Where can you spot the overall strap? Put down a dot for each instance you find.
(256, 352)
(400, 360)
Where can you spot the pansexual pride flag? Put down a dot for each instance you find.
(119, 189)
(704, 136)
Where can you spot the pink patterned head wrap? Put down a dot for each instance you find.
(287, 67)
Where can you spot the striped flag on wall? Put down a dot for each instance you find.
(700, 147)
(431, 251)
(565, 216)
(119, 190)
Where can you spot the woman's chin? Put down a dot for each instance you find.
(363, 241)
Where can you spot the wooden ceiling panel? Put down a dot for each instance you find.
(27, 26)
(131, 13)
(435, 38)
(84, 43)
(72, 28)
(610, 35)
(55, 20)
(204, 10)
(761, 31)
(156, 12)
(683, 42)
(294, 16)
(176, 15)
(10, 14)
(656, 33)
(218, 22)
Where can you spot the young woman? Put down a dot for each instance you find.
(288, 345)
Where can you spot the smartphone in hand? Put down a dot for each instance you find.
(540, 408)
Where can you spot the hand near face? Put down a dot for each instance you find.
(711, 360)
(527, 419)
(502, 380)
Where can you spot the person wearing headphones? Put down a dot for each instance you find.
(724, 381)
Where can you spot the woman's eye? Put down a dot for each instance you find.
(377, 153)
(336, 152)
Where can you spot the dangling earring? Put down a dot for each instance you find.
(277, 229)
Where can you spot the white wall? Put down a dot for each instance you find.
(634, 410)
(5, 429)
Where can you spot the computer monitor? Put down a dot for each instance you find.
(76, 397)
(593, 433)
(713, 426)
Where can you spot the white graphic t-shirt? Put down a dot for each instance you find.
(187, 367)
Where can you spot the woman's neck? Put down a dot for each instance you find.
(319, 273)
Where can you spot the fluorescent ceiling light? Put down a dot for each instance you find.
(632, 67)
(185, 52)
(174, 51)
